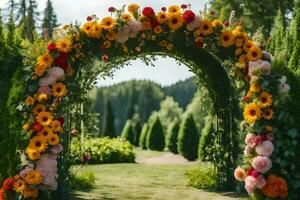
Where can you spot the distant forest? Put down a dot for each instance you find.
(140, 97)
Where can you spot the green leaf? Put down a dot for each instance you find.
(293, 133)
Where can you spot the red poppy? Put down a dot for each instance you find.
(148, 12)
(8, 184)
(51, 46)
(188, 16)
(37, 127)
(62, 61)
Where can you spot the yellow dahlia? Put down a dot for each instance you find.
(111, 35)
(132, 8)
(126, 17)
(243, 60)
(33, 154)
(248, 45)
(217, 23)
(252, 113)
(108, 23)
(40, 70)
(162, 17)
(56, 126)
(45, 60)
(29, 101)
(95, 31)
(42, 97)
(265, 99)
(238, 42)
(26, 127)
(175, 21)
(86, 28)
(45, 118)
(157, 30)
(19, 186)
(174, 9)
(64, 45)
(255, 87)
(227, 39)
(32, 193)
(38, 108)
(45, 133)
(238, 51)
(59, 90)
(254, 54)
(267, 113)
(38, 143)
(206, 27)
(34, 177)
(54, 139)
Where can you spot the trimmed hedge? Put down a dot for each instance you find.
(206, 142)
(172, 138)
(128, 132)
(202, 177)
(143, 136)
(155, 137)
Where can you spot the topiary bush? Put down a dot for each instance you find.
(206, 142)
(103, 150)
(188, 138)
(128, 132)
(81, 180)
(172, 138)
(155, 137)
(202, 177)
(143, 136)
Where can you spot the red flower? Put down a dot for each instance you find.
(245, 98)
(164, 9)
(8, 184)
(89, 18)
(61, 120)
(61, 61)
(37, 127)
(154, 23)
(184, 6)
(51, 46)
(111, 9)
(148, 12)
(249, 172)
(261, 138)
(2, 194)
(188, 16)
(226, 23)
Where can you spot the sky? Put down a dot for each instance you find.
(166, 70)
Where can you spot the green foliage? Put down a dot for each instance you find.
(202, 177)
(294, 62)
(103, 150)
(81, 180)
(143, 136)
(188, 138)
(128, 132)
(137, 127)
(206, 142)
(109, 122)
(172, 137)
(155, 136)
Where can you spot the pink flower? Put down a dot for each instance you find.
(45, 90)
(250, 140)
(56, 72)
(266, 148)
(259, 66)
(250, 184)
(47, 165)
(135, 26)
(260, 182)
(261, 164)
(57, 149)
(194, 24)
(47, 81)
(247, 151)
(25, 171)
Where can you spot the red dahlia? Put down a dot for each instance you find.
(184, 6)
(61, 120)
(8, 184)
(37, 127)
(188, 16)
(148, 12)
(51, 46)
(164, 9)
(89, 18)
(62, 61)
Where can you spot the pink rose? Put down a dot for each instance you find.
(45, 90)
(47, 81)
(250, 184)
(135, 26)
(56, 72)
(260, 182)
(261, 164)
(194, 24)
(266, 148)
(57, 149)
(247, 151)
(251, 140)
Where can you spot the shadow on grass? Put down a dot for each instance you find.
(233, 194)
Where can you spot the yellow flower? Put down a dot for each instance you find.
(217, 23)
(17, 177)
(26, 127)
(53, 139)
(29, 101)
(227, 39)
(254, 54)
(45, 118)
(265, 99)
(56, 126)
(267, 113)
(95, 31)
(162, 17)
(70, 71)
(106, 44)
(126, 17)
(111, 36)
(59, 90)
(40, 70)
(238, 51)
(45, 60)
(38, 108)
(42, 97)
(132, 8)
(32, 193)
(64, 45)
(255, 87)
(175, 21)
(38, 143)
(33, 154)
(157, 30)
(170, 47)
(238, 42)
(252, 113)
(248, 45)
(174, 9)
(86, 28)
(45, 133)
(19, 186)
(34, 177)
(108, 23)
(243, 59)
(269, 129)
(206, 27)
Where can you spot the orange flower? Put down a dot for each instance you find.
(240, 174)
(275, 187)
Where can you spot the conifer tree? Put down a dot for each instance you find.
(22, 12)
(109, 122)
(137, 127)
(277, 35)
(128, 132)
(10, 36)
(143, 136)
(50, 18)
(172, 137)
(32, 17)
(206, 141)
(155, 137)
(294, 62)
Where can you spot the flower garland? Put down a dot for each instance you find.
(43, 124)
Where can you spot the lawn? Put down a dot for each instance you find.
(143, 181)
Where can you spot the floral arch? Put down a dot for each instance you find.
(230, 64)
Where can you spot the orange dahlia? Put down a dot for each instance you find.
(276, 187)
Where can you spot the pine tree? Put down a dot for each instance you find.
(22, 11)
(109, 122)
(137, 127)
(143, 136)
(50, 19)
(188, 138)
(172, 137)
(128, 132)
(294, 62)
(130, 108)
(206, 142)
(1, 29)
(277, 35)
(10, 36)
(295, 24)
(31, 19)
(155, 137)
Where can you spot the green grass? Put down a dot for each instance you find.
(148, 153)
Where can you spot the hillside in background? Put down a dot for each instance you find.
(140, 97)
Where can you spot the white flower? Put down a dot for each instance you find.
(266, 148)
(283, 87)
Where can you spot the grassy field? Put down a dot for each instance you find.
(143, 181)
